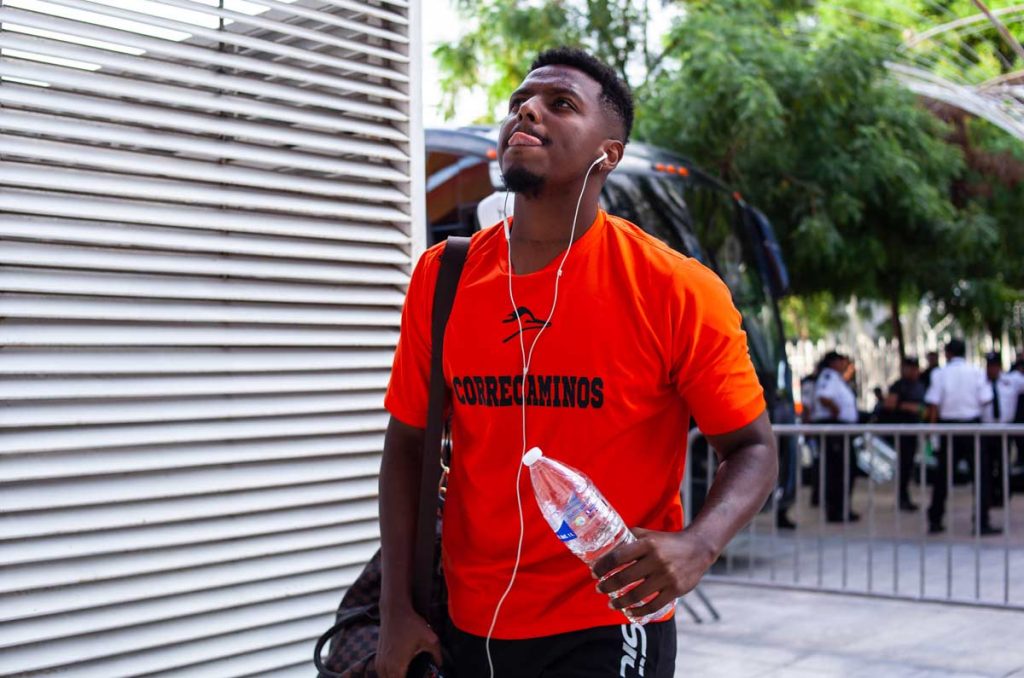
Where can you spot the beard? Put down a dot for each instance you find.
(520, 180)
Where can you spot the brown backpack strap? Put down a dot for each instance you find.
(452, 260)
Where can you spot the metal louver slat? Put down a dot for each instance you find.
(143, 587)
(106, 567)
(372, 10)
(129, 64)
(186, 482)
(195, 361)
(108, 387)
(295, 29)
(210, 213)
(95, 132)
(65, 548)
(42, 280)
(162, 511)
(243, 597)
(214, 101)
(18, 333)
(196, 409)
(96, 13)
(162, 311)
(296, 635)
(55, 465)
(21, 19)
(178, 168)
(33, 254)
(78, 651)
(124, 211)
(180, 240)
(120, 185)
(332, 20)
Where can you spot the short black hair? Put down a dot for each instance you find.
(831, 357)
(614, 92)
(911, 361)
(956, 348)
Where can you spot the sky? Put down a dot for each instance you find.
(441, 24)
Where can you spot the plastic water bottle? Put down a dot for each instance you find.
(582, 519)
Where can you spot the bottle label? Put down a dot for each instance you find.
(565, 532)
(578, 510)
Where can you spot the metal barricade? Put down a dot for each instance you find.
(888, 551)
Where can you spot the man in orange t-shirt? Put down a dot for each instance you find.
(640, 339)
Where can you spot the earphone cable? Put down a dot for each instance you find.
(527, 359)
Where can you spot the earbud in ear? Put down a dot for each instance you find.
(601, 158)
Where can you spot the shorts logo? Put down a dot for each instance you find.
(634, 650)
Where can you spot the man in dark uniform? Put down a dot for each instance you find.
(1018, 417)
(905, 405)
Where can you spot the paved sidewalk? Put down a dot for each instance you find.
(766, 633)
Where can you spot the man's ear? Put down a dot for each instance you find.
(614, 149)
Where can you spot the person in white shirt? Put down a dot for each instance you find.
(1006, 388)
(958, 394)
(1006, 391)
(835, 403)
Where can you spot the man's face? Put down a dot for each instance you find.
(993, 370)
(911, 372)
(555, 126)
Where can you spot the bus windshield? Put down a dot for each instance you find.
(703, 221)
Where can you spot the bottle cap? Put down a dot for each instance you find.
(532, 456)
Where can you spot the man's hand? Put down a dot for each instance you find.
(670, 564)
(403, 635)
(667, 565)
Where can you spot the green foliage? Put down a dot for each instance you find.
(812, 316)
(791, 102)
(506, 35)
(806, 123)
(973, 53)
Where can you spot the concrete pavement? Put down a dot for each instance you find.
(767, 633)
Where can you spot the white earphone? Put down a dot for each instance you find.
(527, 359)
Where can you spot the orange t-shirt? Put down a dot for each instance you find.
(642, 337)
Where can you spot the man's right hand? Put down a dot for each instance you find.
(403, 635)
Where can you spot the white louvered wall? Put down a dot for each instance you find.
(206, 229)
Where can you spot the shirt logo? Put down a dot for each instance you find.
(530, 322)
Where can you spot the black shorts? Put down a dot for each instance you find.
(625, 651)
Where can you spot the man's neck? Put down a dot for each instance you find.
(543, 223)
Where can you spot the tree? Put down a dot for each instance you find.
(506, 35)
(990, 291)
(800, 115)
(852, 170)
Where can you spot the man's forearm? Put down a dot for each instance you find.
(400, 469)
(744, 481)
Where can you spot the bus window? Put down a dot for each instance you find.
(630, 196)
(453, 191)
(731, 254)
(667, 195)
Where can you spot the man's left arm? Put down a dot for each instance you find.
(671, 564)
